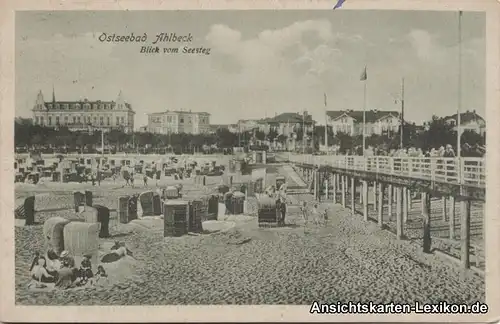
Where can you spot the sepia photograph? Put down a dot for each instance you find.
(333, 159)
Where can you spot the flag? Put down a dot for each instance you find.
(364, 76)
(339, 4)
(325, 99)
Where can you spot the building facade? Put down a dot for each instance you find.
(376, 122)
(174, 122)
(287, 124)
(84, 114)
(469, 120)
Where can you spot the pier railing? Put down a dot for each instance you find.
(463, 171)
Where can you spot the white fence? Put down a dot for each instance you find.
(467, 171)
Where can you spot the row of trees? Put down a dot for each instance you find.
(437, 133)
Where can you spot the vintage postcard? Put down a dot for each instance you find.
(202, 162)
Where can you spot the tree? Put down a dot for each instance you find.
(272, 134)
(260, 135)
(439, 133)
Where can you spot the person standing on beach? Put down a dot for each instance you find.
(145, 179)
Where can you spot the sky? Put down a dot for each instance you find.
(261, 63)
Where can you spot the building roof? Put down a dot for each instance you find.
(180, 112)
(219, 126)
(466, 117)
(287, 117)
(370, 116)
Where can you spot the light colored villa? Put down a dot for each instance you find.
(376, 122)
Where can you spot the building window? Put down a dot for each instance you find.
(94, 106)
(37, 120)
(57, 106)
(181, 120)
(78, 119)
(57, 120)
(65, 119)
(108, 106)
(108, 121)
(41, 120)
(101, 106)
(117, 121)
(101, 119)
(123, 120)
(95, 120)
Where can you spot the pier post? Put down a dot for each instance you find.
(334, 191)
(399, 214)
(375, 195)
(343, 190)
(443, 199)
(394, 196)
(327, 184)
(361, 193)
(316, 180)
(380, 204)
(410, 205)
(365, 200)
(426, 215)
(405, 205)
(465, 233)
(389, 201)
(353, 195)
(337, 180)
(451, 217)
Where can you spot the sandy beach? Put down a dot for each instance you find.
(346, 260)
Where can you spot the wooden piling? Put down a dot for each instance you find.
(451, 217)
(405, 205)
(353, 195)
(365, 200)
(327, 184)
(410, 205)
(316, 184)
(343, 190)
(389, 201)
(465, 233)
(375, 195)
(426, 215)
(380, 204)
(334, 191)
(399, 214)
(443, 199)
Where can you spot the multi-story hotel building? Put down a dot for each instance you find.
(84, 114)
(172, 122)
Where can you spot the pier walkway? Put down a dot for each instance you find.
(438, 202)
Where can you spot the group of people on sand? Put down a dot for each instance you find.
(61, 270)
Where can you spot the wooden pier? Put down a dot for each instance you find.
(384, 189)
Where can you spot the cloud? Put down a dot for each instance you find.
(303, 50)
(78, 46)
(425, 46)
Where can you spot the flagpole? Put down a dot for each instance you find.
(303, 132)
(326, 126)
(364, 116)
(402, 111)
(459, 106)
